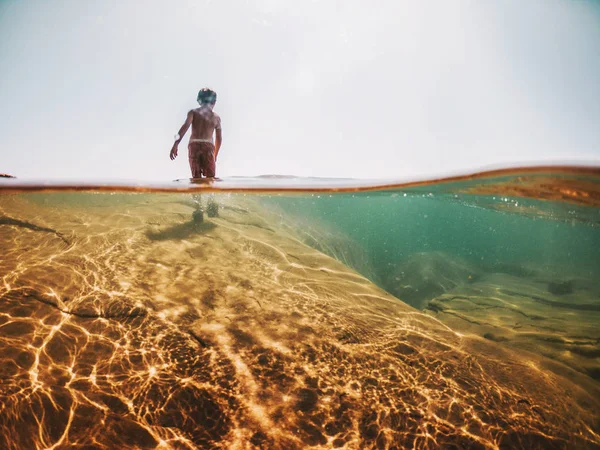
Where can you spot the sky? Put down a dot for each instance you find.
(322, 88)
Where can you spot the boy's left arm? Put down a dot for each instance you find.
(218, 137)
(218, 141)
(181, 133)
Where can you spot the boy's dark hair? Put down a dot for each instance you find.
(207, 96)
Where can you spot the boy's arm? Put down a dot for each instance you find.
(218, 137)
(218, 140)
(181, 133)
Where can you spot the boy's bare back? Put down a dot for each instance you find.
(204, 121)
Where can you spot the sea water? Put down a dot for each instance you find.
(461, 313)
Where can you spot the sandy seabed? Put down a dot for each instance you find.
(125, 324)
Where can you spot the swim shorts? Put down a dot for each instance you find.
(202, 159)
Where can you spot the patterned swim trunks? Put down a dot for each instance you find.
(202, 159)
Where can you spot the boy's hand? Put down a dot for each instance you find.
(173, 154)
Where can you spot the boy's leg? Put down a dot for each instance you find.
(212, 208)
(197, 199)
(195, 159)
(196, 165)
(209, 168)
(198, 214)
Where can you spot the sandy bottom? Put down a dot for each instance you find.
(124, 324)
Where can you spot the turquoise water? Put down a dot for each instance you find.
(390, 226)
(293, 313)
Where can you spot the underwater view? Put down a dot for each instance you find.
(284, 313)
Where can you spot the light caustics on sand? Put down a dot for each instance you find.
(125, 324)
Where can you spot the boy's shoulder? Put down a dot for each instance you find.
(204, 111)
(207, 114)
(217, 119)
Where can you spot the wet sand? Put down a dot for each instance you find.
(557, 319)
(124, 324)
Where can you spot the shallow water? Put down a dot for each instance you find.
(307, 313)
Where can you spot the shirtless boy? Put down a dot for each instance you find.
(203, 120)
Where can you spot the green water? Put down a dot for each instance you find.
(422, 316)
(392, 225)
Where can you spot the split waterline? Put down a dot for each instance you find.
(332, 313)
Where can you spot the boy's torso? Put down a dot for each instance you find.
(204, 123)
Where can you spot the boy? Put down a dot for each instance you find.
(203, 120)
(202, 152)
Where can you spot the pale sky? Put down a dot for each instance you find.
(367, 89)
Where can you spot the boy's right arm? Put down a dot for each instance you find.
(181, 133)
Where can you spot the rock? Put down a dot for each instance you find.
(424, 276)
(561, 287)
